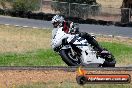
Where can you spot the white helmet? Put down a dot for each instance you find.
(57, 21)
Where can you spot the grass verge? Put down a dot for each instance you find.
(122, 52)
(34, 58)
(47, 57)
(19, 39)
(73, 85)
(31, 47)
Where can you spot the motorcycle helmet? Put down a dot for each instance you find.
(57, 21)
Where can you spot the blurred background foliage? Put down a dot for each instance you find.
(21, 5)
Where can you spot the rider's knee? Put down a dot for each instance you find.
(64, 41)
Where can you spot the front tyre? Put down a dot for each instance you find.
(69, 58)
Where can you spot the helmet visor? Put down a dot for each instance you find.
(55, 24)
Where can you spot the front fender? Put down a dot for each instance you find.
(57, 49)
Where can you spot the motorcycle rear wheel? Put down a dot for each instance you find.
(109, 64)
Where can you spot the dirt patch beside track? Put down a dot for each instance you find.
(11, 78)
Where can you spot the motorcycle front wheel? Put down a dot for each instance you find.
(69, 58)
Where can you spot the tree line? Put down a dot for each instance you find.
(20, 5)
(78, 1)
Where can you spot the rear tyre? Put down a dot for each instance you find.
(109, 59)
(109, 62)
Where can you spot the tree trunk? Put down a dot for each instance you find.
(125, 15)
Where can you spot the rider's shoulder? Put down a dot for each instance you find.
(68, 22)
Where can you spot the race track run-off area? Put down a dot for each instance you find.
(60, 75)
(52, 77)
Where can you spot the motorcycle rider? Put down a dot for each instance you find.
(70, 28)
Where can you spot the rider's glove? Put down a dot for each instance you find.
(74, 28)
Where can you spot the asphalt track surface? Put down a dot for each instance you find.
(95, 29)
(64, 68)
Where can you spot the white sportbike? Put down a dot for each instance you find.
(76, 51)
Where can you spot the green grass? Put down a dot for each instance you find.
(47, 57)
(35, 58)
(122, 52)
(73, 85)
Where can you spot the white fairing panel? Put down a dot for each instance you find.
(88, 54)
(57, 36)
